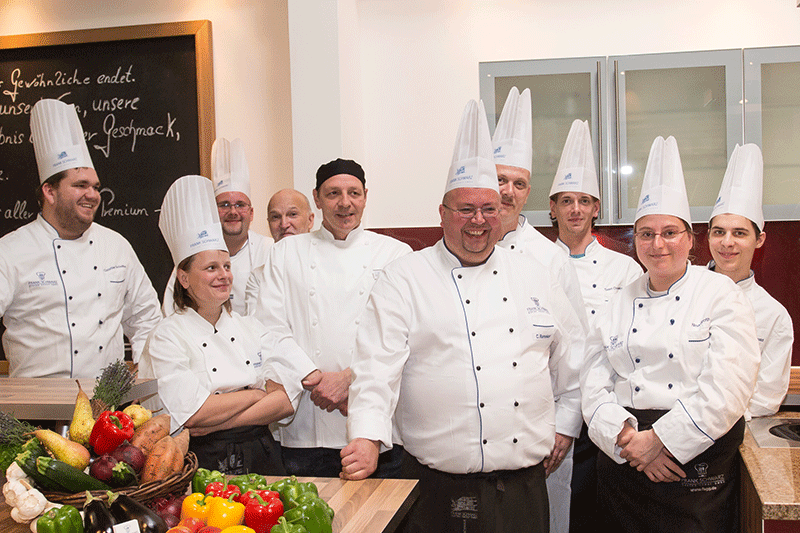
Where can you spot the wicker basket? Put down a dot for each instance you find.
(174, 484)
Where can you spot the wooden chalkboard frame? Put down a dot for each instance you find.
(201, 29)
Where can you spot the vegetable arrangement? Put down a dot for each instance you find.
(249, 501)
(109, 450)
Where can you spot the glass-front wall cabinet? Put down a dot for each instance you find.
(709, 101)
(772, 120)
(562, 90)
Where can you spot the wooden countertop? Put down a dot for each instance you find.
(368, 506)
(54, 398)
(775, 473)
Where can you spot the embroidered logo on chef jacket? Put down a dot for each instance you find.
(376, 273)
(700, 331)
(613, 343)
(116, 273)
(257, 364)
(42, 282)
(536, 307)
(202, 235)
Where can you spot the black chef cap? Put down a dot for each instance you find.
(340, 166)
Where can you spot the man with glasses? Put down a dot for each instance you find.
(311, 293)
(465, 347)
(248, 249)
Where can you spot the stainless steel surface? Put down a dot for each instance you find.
(759, 428)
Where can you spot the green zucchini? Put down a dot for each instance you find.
(69, 477)
(26, 460)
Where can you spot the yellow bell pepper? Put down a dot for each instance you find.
(225, 512)
(196, 505)
(238, 529)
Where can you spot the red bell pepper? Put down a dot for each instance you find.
(250, 495)
(219, 489)
(262, 514)
(110, 430)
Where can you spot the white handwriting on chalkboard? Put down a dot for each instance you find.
(19, 212)
(57, 79)
(118, 77)
(107, 211)
(15, 138)
(111, 131)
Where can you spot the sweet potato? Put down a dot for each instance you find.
(148, 434)
(161, 461)
(182, 440)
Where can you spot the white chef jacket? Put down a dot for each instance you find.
(466, 355)
(775, 338)
(527, 240)
(691, 350)
(67, 303)
(313, 289)
(601, 274)
(192, 359)
(250, 256)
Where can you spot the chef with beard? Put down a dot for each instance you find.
(69, 288)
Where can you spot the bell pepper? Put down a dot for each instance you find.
(312, 515)
(110, 430)
(247, 482)
(310, 496)
(196, 505)
(203, 477)
(266, 495)
(225, 512)
(289, 489)
(218, 488)
(260, 513)
(237, 529)
(66, 519)
(285, 527)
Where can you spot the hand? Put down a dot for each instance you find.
(642, 448)
(625, 435)
(553, 461)
(330, 391)
(359, 459)
(663, 468)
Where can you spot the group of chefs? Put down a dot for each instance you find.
(528, 385)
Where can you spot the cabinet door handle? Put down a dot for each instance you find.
(599, 143)
(617, 125)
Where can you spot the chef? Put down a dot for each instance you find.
(574, 206)
(248, 249)
(736, 229)
(213, 365)
(513, 155)
(470, 342)
(289, 213)
(69, 288)
(671, 366)
(312, 290)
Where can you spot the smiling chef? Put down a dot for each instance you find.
(69, 288)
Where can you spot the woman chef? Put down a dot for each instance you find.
(211, 363)
(734, 233)
(670, 368)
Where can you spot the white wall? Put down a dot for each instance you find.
(392, 76)
(250, 43)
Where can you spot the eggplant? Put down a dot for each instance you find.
(97, 517)
(125, 508)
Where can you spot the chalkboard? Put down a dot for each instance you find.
(145, 98)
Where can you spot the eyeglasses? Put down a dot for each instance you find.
(668, 235)
(239, 206)
(469, 213)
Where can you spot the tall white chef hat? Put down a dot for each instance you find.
(663, 187)
(189, 220)
(229, 167)
(472, 164)
(512, 137)
(576, 171)
(741, 192)
(57, 137)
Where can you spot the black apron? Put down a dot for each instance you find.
(707, 500)
(505, 501)
(242, 450)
